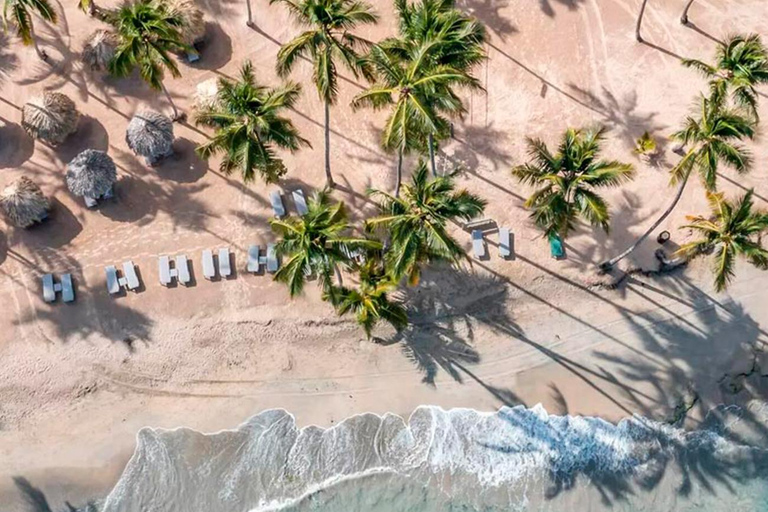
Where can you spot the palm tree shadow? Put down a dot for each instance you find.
(489, 12)
(547, 7)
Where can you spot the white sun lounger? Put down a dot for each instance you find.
(253, 259)
(49, 295)
(182, 269)
(164, 264)
(505, 243)
(90, 202)
(67, 291)
(478, 245)
(225, 269)
(209, 271)
(272, 263)
(277, 204)
(300, 201)
(131, 279)
(113, 283)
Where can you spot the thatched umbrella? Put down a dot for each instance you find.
(50, 117)
(206, 93)
(150, 134)
(192, 20)
(24, 203)
(91, 174)
(99, 49)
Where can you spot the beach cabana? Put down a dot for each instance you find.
(50, 117)
(150, 135)
(99, 49)
(91, 174)
(193, 23)
(24, 203)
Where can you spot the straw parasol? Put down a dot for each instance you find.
(192, 20)
(206, 94)
(24, 203)
(91, 174)
(50, 117)
(99, 49)
(150, 134)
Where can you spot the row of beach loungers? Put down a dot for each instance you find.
(279, 207)
(129, 280)
(506, 244)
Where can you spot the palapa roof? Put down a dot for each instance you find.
(99, 49)
(23, 203)
(150, 134)
(206, 94)
(91, 173)
(192, 18)
(50, 117)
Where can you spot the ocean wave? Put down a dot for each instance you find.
(269, 463)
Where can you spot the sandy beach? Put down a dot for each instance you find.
(77, 381)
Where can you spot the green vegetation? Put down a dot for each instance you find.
(732, 230)
(149, 33)
(248, 122)
(567, 181)
(327, 40)
(415, 224)
(18, 13)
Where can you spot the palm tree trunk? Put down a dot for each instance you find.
(328, 175)
(399, 172)
(608, 265)
(640, 22)
(684, 17)
(176, 115)
(92, 8)
(431, 141)
(250, 13)
(338, 275)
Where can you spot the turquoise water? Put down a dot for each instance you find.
(455, 461)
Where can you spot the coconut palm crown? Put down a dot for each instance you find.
(148, 31)
(418, 93)
(316, 244)
(713, 137)
(741, 64)
(19, 14)
(249, 126)
(733, 229)
(327, 40)
(416, 224)
(566, 181)
(371, 301)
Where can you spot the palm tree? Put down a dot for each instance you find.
(741, 64)
(316, 244)
(19, 14)
(370, 302)
(149, 32)
(249, 126)
(417, 92)
(456, 40)
(732, 230)
(91, 9)
(713, 139)
(567, 182)
(684, 17)
(416, 223)
(327, 40)
(639, 24)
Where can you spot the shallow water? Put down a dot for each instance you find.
(457, 460)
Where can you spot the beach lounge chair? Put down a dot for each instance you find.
(253, 259)
(182, 269)
(90, 202)
(67, 291)
(225, 270)
(209, 271)
(272, 263)
(49, 295)
(277, 204)
(300, 201)
(113, 283)
(505, 243)
(131, 279)
(556, 247)
(164, 264)
(478, 244)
